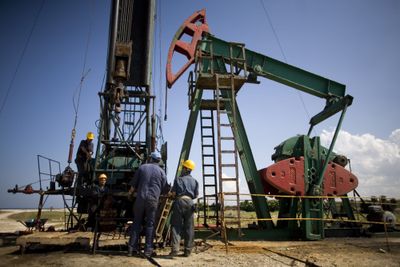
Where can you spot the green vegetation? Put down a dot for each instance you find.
(248, 205)
(53, 216)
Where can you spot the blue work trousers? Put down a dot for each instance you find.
(144, 215)
(182, 223)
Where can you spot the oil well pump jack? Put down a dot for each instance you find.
(303, 168)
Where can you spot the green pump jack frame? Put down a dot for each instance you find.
(281, 72)
(243, 148)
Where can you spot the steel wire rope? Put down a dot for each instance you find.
(159, 103)
(160, 58)
(102, 89)
(21, 57)
(76, 105)
(283, 53)
(159, 120)
(78, 90)
(166, 88)
(154, 92)
(84, 71)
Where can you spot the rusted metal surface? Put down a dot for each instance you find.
(194, 26)
(287, 176)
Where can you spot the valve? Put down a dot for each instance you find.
(194, 26)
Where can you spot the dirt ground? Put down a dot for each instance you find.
(373, 251)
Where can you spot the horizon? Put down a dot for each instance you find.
(355, 43)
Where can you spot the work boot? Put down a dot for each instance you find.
(173, 253)
(150, 254)
(187, 253)
(132, 252)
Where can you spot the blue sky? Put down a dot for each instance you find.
(352, 42)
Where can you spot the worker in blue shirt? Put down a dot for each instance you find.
(184, 190)
(149, 182)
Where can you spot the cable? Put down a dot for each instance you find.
(79, 89)
(21, 57)
(166, 89)
(84, 72)
(160, 55)
(283, 54)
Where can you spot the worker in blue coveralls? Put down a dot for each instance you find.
(184, 190)
(83, 158)
(96, 200)
(149, 182)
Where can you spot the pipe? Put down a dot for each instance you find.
(112, 39)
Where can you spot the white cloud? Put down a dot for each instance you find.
(375, 161)
(395, 136)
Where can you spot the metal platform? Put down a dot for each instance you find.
(208, 81)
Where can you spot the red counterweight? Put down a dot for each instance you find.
(287, 176)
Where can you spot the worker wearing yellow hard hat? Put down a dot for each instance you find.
(102, 180)
(101, 188)
(83, 159)
(189, 164)
(90, 136)
(96, 200)
(102, 177)
(185, 190)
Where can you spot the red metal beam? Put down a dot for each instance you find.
(194, 26)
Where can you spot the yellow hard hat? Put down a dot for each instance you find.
(189, 164)
(90, 136)
(102, 176)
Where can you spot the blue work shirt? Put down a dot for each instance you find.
(149, 181)
(186, 186)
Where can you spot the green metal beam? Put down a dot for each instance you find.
(190, 128)
(248, 164)
(312, 207)
(331, 109)
(276, 70)
(326, 159)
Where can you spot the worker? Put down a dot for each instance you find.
(95, 203)
(149, 182)
(83, 158)
(139, 152)
(184, 190)
(101, 187)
